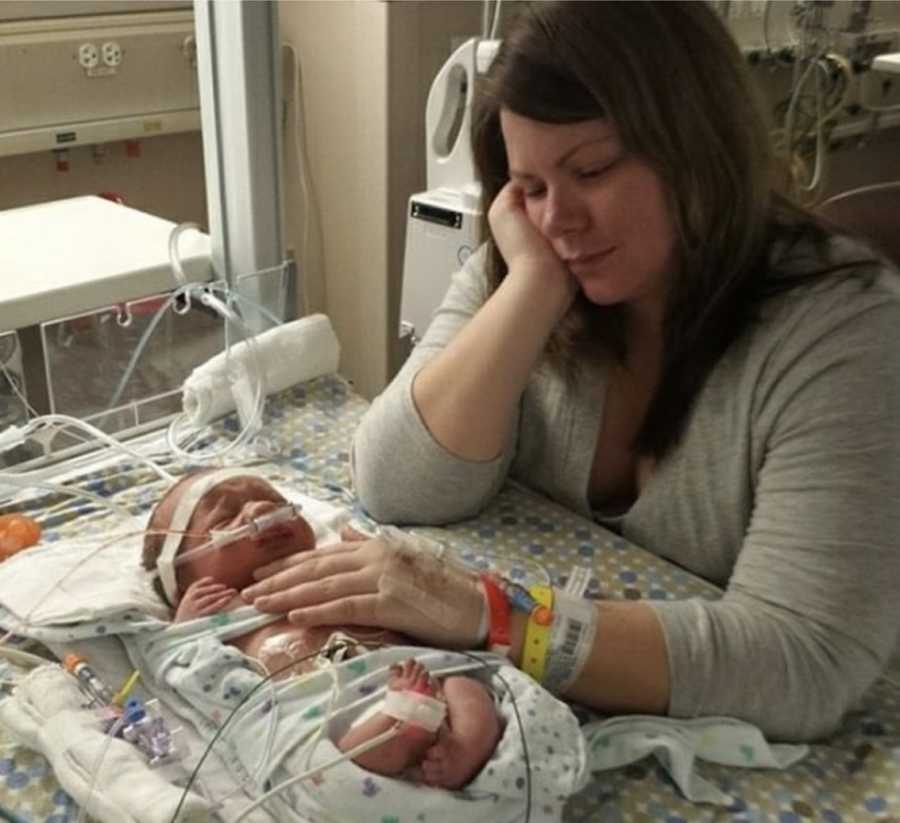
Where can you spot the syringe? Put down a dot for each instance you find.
(91, 685)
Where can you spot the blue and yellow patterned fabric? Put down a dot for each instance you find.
(853, 776)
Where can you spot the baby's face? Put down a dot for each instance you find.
(229, 505)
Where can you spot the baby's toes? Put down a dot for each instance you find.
(422, 682)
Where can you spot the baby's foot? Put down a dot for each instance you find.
(450, 763)
(412, 675)
(399, 753)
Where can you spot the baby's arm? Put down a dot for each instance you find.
(203, 598)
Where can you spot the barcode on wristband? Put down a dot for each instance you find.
(574, 628)
(570, 641)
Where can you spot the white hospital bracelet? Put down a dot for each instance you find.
(418, 709)
(571, 640)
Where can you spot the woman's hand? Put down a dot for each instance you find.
(375, 582)
(203, 598)
(519, 240)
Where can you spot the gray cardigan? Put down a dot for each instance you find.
(784, 490)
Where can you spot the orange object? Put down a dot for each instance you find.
(542, 616)
(17, 532)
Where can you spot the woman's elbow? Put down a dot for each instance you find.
(391, 497)
(820, 706)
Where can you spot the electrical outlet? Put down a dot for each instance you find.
(88, 56)
(112, 53)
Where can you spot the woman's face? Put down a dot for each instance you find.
(604, 211)
(229, 505)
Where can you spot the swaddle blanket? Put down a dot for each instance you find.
(287, 728)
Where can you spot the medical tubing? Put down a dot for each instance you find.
(193, 776)
(31, 483)
(174, 257)
(820, 135)
(139, 349)
(29, 409)
(483, 663)
(390, 734)
(112, 442)
(496, 23)
(387, 735)
(254, 528)
(249, 429)
(185, 289)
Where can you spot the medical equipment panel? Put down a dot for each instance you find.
(443, 229)
(84, 80)
(443, 223)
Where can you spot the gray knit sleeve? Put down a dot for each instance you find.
(809, 617)
(400, 472)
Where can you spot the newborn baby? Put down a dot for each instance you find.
(211, 501)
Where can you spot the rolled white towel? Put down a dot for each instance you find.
(290, 353)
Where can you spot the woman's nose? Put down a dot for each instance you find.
(563, 214)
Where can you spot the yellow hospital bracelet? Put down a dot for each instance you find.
(537, 633)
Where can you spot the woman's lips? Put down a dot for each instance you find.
(586, 261)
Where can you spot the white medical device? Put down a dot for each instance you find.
(443, 223)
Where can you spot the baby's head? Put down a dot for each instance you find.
(214, 500)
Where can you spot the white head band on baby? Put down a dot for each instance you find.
(165, 566)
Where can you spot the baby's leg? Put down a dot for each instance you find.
(468, 738)
(393, 756)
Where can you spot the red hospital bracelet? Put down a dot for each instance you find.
(498, 616)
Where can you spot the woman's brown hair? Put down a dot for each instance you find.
(674, 82)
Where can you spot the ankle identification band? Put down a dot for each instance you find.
(415, 708)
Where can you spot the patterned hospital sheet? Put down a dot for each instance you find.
(854, 776)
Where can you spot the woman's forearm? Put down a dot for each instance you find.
(467, 394)
(627, 669)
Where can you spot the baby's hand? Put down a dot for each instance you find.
(203, 598)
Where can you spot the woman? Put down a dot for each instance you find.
(653, 336)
